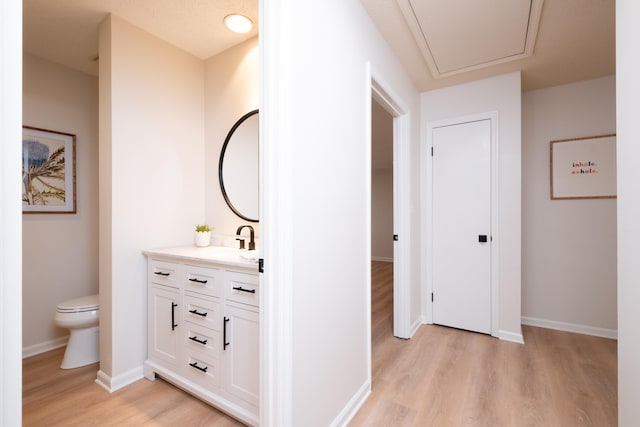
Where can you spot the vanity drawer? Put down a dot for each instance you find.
(203, 312)
(203, 340)
(164, 273)
(206, 281)
(202, 370)
(243, 288)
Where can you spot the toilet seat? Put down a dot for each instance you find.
(79, 305)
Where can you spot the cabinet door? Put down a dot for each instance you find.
(164, 324)
(242, 329)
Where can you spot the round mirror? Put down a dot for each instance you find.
(239, 167)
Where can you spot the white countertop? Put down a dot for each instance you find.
(215, 254)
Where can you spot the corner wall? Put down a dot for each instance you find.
(568, 246)
(317, 172)
(231, 91)
(151, 179)
(60, 252)
(501, 94)
(628, 153)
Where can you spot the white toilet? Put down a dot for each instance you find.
(80, 316)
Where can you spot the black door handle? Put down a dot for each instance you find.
(224, 334)
(173, 315)
(482, 238)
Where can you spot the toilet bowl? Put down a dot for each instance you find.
(80, 316)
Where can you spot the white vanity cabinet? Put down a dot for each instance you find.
(164, 312)
(203, 327)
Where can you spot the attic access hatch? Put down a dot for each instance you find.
(464, 35)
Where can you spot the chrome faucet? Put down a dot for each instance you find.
(252, 242)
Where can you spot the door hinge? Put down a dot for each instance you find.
(395, 237)
(260, 265)
(431, 296)
(431, 151)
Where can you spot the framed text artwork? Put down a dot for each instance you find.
(48, 171)
(583, 168)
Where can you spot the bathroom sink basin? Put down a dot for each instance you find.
(221, 254)
(224, 252)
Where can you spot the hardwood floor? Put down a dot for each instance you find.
(448, 377)
(441, 377)
(69, 398)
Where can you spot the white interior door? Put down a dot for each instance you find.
(462, 225)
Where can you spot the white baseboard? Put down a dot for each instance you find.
(414, 328)
(112, 384)
(32, 350)
(511, 337)
(571, 327)
(381, 258)
(354, 405)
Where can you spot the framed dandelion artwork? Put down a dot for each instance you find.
(48, 171)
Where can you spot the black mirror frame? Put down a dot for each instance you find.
(222, 152)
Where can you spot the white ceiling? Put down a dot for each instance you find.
(66, 31)
(575, 39)
(453, 40)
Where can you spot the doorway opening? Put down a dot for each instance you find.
(383, 96)
(382, 225)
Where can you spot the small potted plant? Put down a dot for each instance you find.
(203, 235)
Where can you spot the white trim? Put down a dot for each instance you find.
(10, 213)
(369, 94)
(511, 337)
(353, 406)
(112, 384)
(415, 325)
(571, 327)
(43, 347)
(427, 217)
(276, 207)
(382, 92)
(103, 380)
(382, 258)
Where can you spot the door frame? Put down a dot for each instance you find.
(427, 214)
(384, 94)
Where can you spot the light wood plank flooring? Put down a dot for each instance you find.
(448, 377)
(69, 398)
(440, 377)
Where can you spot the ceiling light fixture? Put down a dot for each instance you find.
(238, 23)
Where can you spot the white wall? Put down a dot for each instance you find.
(568, 246)
(317, 134)
(382, 214)
(501, 94)
(60, 252)
(231, 91)
(10, 213)
(151, 178)
(628, 152)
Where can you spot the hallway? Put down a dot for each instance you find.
(449, 377)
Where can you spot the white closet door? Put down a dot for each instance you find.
(462, 226)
